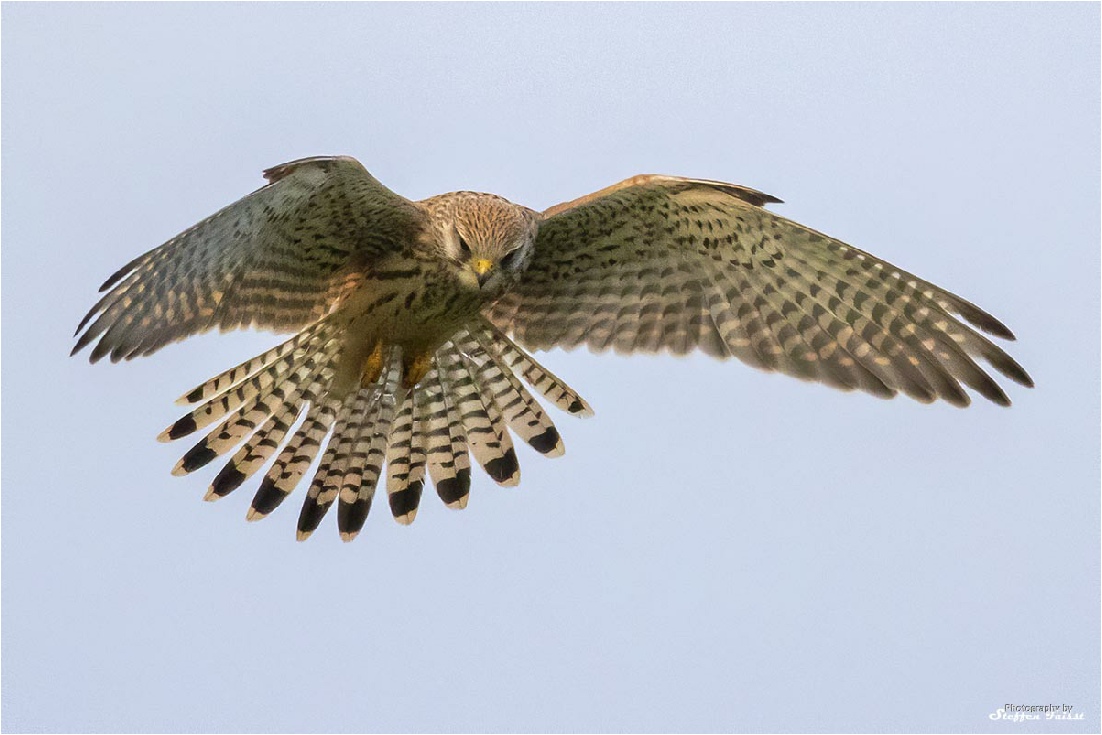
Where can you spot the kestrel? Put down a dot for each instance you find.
(412, 322)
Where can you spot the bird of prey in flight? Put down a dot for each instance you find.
(412, 323)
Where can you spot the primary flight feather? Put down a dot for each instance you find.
(411, 322)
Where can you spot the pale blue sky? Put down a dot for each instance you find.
(720, 549)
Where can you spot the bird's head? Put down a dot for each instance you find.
(486, 239)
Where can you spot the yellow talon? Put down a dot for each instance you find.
(414, 367)
(373, 366)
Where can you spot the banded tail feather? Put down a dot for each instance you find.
(543, 380)
(248, 393)
(522, 412)
(295, 458)
(486, 434)
(320, 332)
(336, 462)
(447, 460)
(353, 459)
(405, 462)
(369, 453)
(243, 423)
(268, 438)
(253, 410)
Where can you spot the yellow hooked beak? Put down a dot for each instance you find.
(482, 268)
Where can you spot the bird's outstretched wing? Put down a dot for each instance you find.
(663, 263)
(277, 259)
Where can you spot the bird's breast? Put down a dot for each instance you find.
(410, 305)
(410, 302)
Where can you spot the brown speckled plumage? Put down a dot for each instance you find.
(401, 369)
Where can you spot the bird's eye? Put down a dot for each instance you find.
(510, 258)
(463, 246)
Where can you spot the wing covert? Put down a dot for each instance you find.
(276, 259)
(658, 263)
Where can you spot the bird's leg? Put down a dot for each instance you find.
(414, 366)
(373, 366)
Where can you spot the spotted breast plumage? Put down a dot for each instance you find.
(411, 322)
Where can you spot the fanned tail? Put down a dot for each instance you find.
(470, 402)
